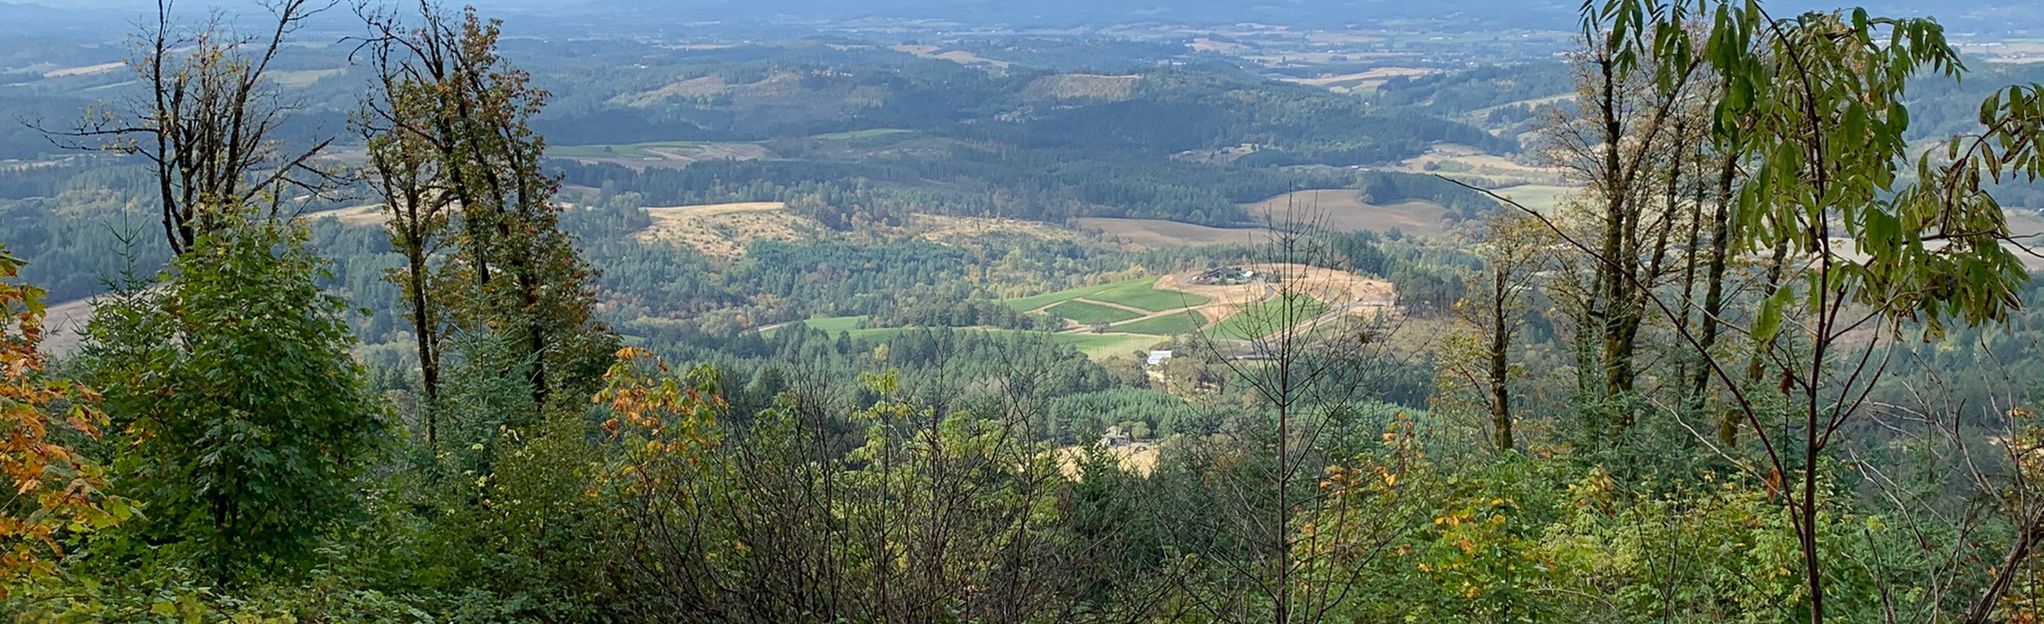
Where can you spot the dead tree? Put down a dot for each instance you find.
(210, 121)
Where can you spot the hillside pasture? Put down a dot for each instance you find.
(724, 230)
(1475, 166)
(660, 153)
(1038, 302)
(1090, 313)
(370, 215)
(1268, 317)
(941, 53)
(1542, 197)
(1145, 295)
(854, 135)
(1177, 323)
(1141, 294)
(835, 324)
(948, 229)
(87, 70)
(1344, 210)
(1139, 458)
(1161, 234)
(1110, 344)
(1092, 345)
(1368, 79)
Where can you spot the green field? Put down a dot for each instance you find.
(835, 324)
(1103, 345)
(1144, 294)
(632, 150)
(1268, 318)
(1137, 293)
(1091, 313)
(1541, 197)
(1093, 345)
(1167, 325)
(861, 134)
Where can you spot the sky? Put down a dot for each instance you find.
(1960, 14)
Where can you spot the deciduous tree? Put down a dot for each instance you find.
(56, 488)
(243, 419)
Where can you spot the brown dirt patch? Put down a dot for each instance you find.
(1473, 165)
(961, 57)
(1344, 210)
(1368, 79)
(724, 230)
(372, 215)
(87, 70)
(1139, 457)
(947, 229)
(1342, 291)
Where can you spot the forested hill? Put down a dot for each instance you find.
(405, 315)
(748, 95)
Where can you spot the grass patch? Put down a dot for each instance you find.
(1144, 294)
(870, 133)
(835, 324)
(1033, 302)
(1268, 318)
(1091, 313)
(631, 150)
(1542, 197)
(1137, 293)
(1092, 345)
(1098, 346)
(1175, 324)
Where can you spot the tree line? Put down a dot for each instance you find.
(1654, 405)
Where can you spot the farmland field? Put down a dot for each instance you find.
(1541, 197)
(1036, 302)
(1093, 345)
(724, 230)
(1091, 313)
(1344, 210)
(1161, 234)
(835, 324)
(660, 153)
(1145, 295)
(631, 150)
(1268, 317)
(1139, 293)
(1103, 345)
(1175, 324)
(861, 134)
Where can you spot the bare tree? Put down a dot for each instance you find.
(1301, 353)
(211, 120)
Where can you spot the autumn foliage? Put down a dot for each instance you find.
(55, 489)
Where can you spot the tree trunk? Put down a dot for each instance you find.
(1500, 362)
(1714, 299)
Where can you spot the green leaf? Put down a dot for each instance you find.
(1769, 324)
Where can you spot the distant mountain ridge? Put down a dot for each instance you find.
(2018, 14)
(633, 16)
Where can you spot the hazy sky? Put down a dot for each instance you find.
(1963, 14)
